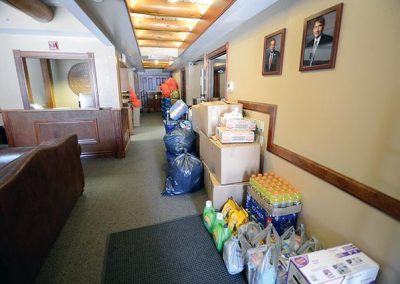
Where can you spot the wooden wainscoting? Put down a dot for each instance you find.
(363, 192)
(99, 131)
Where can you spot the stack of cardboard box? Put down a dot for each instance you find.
(227, 167)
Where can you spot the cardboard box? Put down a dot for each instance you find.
(230, 163)
(238, 124)
(218, 193)
(234, 136)
(210, 113)
(196, 118)
(205, 147)
(342, 264)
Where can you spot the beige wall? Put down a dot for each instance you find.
(177, 76)
(34, 36)
(345, 118)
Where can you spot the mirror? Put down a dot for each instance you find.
(57, 80)
(216, 73)
(219, 77)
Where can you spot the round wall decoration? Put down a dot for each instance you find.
(79, 78)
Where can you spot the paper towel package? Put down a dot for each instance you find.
(341, 264)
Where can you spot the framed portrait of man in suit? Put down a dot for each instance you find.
(274, 47)
(320, 39)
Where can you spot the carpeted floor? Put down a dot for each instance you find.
(119, 195)
(179, 251)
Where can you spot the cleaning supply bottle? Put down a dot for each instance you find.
(209, 216)
(217, 227)
(221, 234)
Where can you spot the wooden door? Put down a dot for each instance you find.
(183, 85)
(147, 88)
(216, 93)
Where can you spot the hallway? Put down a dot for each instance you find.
(119, 195)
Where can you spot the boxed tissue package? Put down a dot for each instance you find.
(341, 264)
(237, 123)
(234, 136)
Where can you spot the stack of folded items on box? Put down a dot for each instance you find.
(234, 128)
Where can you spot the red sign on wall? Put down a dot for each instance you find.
(53, 45)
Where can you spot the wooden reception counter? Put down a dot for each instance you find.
(100, 131)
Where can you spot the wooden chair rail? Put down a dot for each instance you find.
(363, 192)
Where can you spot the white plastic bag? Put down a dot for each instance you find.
(262, 265)
(247, 233)
(288, 240)
(309, 246)
(232, 256)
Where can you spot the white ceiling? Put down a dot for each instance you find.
(221, 31)
(110, 22)
(112, 17)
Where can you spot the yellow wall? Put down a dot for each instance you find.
(347, 118)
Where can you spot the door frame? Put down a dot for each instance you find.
(209, 68)
(183, 85)
(23, 77)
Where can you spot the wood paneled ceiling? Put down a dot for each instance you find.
(172, 25)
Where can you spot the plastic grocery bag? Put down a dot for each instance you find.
(262, 265)
(300, 237)
(309, 246)
(179, 140)
(288, 240)
(232, 256)
(185, 174)
(251, 235)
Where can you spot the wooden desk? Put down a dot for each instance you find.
(99, 131)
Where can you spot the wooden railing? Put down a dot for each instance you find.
(363, 192)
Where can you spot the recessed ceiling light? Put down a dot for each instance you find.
(173, 1)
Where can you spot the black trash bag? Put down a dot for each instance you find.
(185, 174)
(179, 140)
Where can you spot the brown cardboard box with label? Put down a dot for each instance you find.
(231, 163)
(196, 118)
(219, 194)
(210, 113)
(205, 147)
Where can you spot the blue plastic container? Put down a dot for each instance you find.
(261, 215)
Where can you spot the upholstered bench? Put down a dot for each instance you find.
(38, 188)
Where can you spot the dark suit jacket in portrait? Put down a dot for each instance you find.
(322, 54)
(275, 60)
